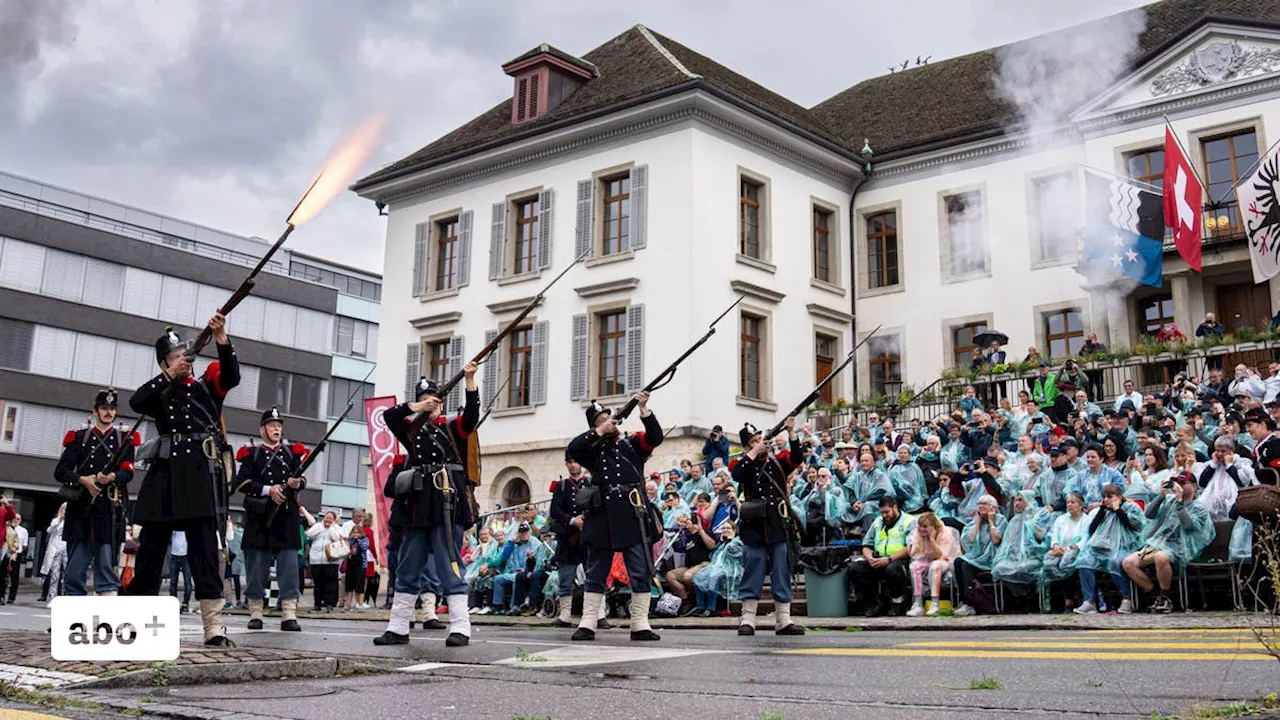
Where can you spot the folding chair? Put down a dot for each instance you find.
(1215, 562)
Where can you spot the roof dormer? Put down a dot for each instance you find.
(544, 77)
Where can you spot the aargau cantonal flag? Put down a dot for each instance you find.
(1259, 198)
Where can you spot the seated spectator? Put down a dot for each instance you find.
(1178, 529)
(1096, 476)
(478, 576)
(979, 542)
(1065, 538)
(930, 462)
(879, 577)
(1020, 557)
(1222, 477)
(820, 510)
(945, 501)
(695, 544)
(696, 484)
(512, 562)
(954, 453)
(1146, 476)
(863, 490)
(1114, 532)
(907, 480)
(673, 506)
(932, 547)
(720, 577)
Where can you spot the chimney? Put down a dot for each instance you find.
(543, 78)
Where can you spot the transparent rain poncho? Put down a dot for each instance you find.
(691, 489)
(669, 515)
(908, 485)
(866, 488)
(975, 541)
(723, 574)
(487, 554)
(1065, 532)
(953, 455)
(1111, 538)
(1146, 491)
(827, 505)
(1017, 471)
(1089, 484)
(1020, 554)
(1240, 550)
(1181, 529)
(1051, 493)
(945, 505)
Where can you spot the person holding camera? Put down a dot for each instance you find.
(716, 446)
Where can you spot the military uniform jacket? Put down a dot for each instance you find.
(1266, 460)
(564, 508)
(617, 468)
(88, 452)
(437, 444)
(182, 486)
(262, 466)
(765, 478)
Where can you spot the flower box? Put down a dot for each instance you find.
(1241, 347)
(1218, 350)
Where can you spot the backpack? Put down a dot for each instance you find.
(980, 599)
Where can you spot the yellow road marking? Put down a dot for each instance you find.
(1032, 655)
(25, 715)
(1147, 638)
(1089, 645)
(1178, 631)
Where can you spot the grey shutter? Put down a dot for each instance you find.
(16, 340)
(22, 266)
(53, 351)
(142, 290)
(538, 379)
(455, 365)
(639, 207)
(421, 235)
(412, 363)
(95, 358)
(63, 275)
(545, 221)
(498, 240)
(462, 266)
(635, 348)
(491, 363)
(103, 284)
(582, 232)
(578, 369)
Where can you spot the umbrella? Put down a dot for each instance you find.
(984, 339)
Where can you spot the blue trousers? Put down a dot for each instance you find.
(528, 587)
(424, 557)
(179, 563)
(257, 567)
(1089, 580)
(568, 573)
(756, 560)
(706, 598)
(502, 584)
(599, 563)
(81, 554)
(432, 585)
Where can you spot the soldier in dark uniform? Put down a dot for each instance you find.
(1266, 449)
(396, 523)
(186, 485)
(268, 474)
(437, 451)
(94, 525)
(567, 520)
(612, 524)
(765, 531)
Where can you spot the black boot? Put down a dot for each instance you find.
(456, 640)
(583, 634)
(390, 638)
(433, 624)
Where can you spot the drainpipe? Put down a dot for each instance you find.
(853, 249)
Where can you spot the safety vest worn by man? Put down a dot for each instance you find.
(888, 542)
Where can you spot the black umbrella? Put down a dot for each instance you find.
(984, 339)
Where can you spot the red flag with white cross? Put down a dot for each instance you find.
(1183, 199)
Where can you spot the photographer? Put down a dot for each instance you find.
(695, 544)
(724, 503)
(716, 446)
(1247, 383)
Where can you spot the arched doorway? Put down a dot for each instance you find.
(510, 487)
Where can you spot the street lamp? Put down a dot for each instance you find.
(893, 392)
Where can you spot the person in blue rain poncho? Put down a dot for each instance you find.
(1065, 540)
(1052, 485)
(513, 562)
(1019, 558)
(673, 506)
(1221, 480)
(1178, 529)
(982, 478)
(954, 453)
(980, 541)
(1095, 477)
(863, 490)
(945, 501)
(696, 484)
(908, 481)
(722, 576)
(1114, 532)
(820, 510)
(1147, 476)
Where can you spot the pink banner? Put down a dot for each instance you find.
(382, 452)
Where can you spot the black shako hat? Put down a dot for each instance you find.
(593, 413)
(1259, 415)
(106, 397)
(272, 415)
(747, 432)
(169, 342)
(426, 386)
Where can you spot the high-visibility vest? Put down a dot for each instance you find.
(894, 539)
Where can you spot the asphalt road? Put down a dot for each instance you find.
(538, 673)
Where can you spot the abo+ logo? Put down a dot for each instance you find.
(115, 628)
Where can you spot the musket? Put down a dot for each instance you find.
(492, 403)
(813, 396)
(668, 374)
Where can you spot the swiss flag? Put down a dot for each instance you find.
(1183, 200)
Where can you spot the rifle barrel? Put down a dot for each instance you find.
(242, 291)
(813, 395)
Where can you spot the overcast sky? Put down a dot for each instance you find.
(218, 112)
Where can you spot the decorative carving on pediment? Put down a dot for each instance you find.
(1215, 63)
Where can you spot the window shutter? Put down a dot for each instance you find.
(455, 365)
(22, 266)
(63, 275)
(278, 323)
(538, 376)
(462, 267)
(95, 359)
(245, 395)
(497, 240)
(178, 301)
(578, 369)
(52, 351)
(639, 207)
(360, 339)
(412, 365)
(421, 237)
(248, 318)
(545, 221)
(134, 365)
(491, 369)
(346, 329)
(635, 348)
(103, 284)
(142, 293)
(15, 344)
(582, 234)
(208, 300)
(372, 355)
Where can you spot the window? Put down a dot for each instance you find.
(340, 389)
(822, 222)
(824, 361)
(520, 357)
(293, 394)
(885, 362)
(304, 396)
(347, 284)
(750, 197)
(966, 248)
(526, 212)
(749, 371)
(353, 337)
(616, 213)
(1056, 212)
(882, 249)
(1064, 332)
(438, 361)
(16, 338)
(344, 464)
(1157, 313)
(9, 417)
(1226, 159)
(962, 339)
(612, 353)
(446, 252)
(273, 389)
(1146, 166)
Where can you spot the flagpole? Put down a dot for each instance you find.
(1113, 176)
(1246, 173)
(1174, 134)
